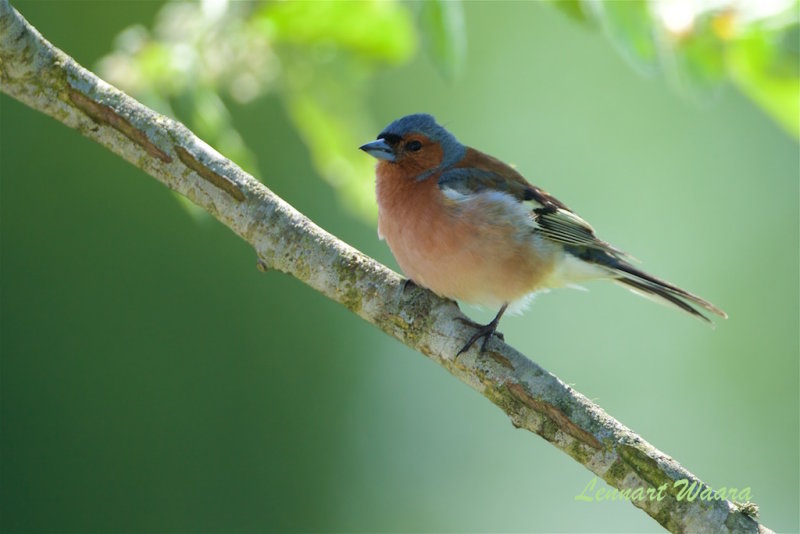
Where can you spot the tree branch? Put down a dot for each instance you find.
(41, 76)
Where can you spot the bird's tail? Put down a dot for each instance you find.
(651, 287)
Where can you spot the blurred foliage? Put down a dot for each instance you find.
(319, 59)
(316, 57)
(445, 36)
(700, 44)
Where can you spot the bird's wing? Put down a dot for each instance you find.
(553, 220)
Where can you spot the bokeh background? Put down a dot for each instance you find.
(154, 381)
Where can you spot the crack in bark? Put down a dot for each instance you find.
(556, 415)
(103, 114)
(223, 182)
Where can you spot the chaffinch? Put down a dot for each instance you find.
(469, 227)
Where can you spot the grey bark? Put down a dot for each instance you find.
(36, 73)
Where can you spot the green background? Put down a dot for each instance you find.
(154, 380)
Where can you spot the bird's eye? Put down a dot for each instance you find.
(413, 146)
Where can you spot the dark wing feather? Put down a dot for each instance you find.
(557, 223)
(554, 220)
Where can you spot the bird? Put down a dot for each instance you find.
(471, 228)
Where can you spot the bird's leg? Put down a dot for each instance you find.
(484, 331)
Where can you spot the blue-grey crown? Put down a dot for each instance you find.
(426, 125)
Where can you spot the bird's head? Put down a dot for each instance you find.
(418, 145)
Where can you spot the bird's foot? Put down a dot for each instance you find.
(407, 283)
(483, 331)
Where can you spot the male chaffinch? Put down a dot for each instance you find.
(469, 227)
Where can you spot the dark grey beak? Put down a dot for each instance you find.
(379, 149)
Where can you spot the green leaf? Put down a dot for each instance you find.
(695, 60)
(333, 130)
(444, 36)
(379, 31)
(758, 49)
(574, 9)
(765, 65)
(630, 27)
